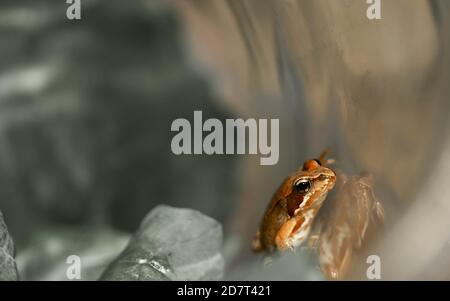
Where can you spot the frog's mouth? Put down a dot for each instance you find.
(314, 201)
(329, 178)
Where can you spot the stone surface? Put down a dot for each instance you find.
(172, 244)
(8, 269)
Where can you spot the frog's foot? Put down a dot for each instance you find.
(330, 161)
(324, 161)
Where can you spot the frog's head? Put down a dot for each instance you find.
(308, 187)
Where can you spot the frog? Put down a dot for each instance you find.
(289, 216)
(335, 233)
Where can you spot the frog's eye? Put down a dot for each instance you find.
(302, 186)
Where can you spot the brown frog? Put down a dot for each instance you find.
(292, 217)
(289, 217)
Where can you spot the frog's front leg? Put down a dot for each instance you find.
(294, 232)
(282, 239)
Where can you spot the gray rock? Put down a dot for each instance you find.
(47, 256)
(172, 244)
(8, 269)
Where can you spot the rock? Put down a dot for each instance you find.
(171, 244)
(46, 258)
(8, 269)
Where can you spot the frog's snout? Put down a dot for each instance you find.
(330, 176)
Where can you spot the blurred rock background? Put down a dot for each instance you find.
(86, 108)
